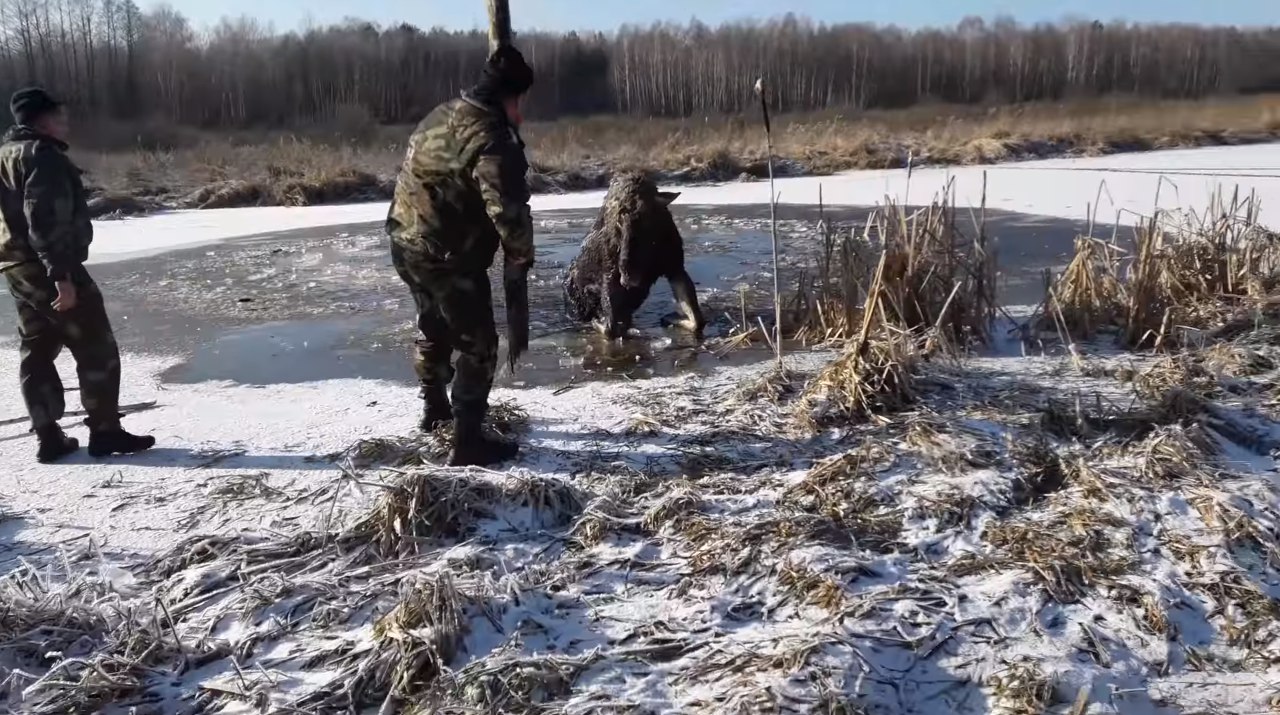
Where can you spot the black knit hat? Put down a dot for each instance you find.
(31, 103)
(506, 74)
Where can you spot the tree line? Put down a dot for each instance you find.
(120, 62)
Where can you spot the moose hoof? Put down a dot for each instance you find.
(680, 322)
(611, 332)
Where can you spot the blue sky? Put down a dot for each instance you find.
(607, 14)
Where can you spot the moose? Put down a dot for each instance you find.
(633, 243)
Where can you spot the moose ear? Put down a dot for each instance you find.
(666, 197)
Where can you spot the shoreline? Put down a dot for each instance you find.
(1126, 186)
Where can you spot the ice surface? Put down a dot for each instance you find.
(1061, 188)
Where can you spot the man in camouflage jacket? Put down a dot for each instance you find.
(44, 242)
(461, 194)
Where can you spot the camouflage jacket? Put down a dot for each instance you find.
(462, 190)
(43, 202)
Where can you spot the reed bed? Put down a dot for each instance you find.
(1185, 276)
(875, 372)
(930, 272)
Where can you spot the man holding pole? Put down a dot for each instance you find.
(462, 193)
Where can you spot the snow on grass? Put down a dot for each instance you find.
(1093, 534)
(675, 545)
(1062, 188)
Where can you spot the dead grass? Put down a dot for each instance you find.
(101, 649)
(272, 172)
(931, 290)
(672, 510)
(1021, 688)
(601, 516)
(573, 154)
(1178, 453)
(412, 646)
(825, 306)
(394, 451)
(921, 270)
(430, 505)
(1234, 360)
(1188, 276)
(1088, 296)
(724, 148)
(1239, 525)
(845, 490)
(1184, 371)
(949, 448)
(1071, 550)
(873, 377)
(1040, 468)
(1189, 269)
(422, 633)
(811, 588)
(1088, 419)
(513, 684)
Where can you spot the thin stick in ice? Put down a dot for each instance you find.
(773, 223)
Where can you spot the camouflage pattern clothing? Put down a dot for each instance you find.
(42, 198)
(85, 330)
(460, 195)
(45, 236)
(455, 312)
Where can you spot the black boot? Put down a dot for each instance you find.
(473, 448)
(436, 409)
(114, 440)
(54, 444)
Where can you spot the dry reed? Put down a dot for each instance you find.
(1189, 273)
(1021, 688)
(1088, 296)
(929, 277)
(1070, 551)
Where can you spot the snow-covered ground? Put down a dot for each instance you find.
(667, 545)
(1061, 188)
(212, 432)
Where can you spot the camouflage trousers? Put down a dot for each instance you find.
(84, 330)
(455, 314)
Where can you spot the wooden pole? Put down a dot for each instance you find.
(499, 24)
(515, 284)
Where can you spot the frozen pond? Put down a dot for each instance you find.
(315, 304)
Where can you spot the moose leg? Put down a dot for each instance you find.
(686, 296)
(581, 302)
(620, 305)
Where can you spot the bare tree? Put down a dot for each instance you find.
(122, 63)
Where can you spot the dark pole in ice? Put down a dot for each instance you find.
(515, 283)
(773, 223)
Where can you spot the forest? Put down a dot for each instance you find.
(119, 62)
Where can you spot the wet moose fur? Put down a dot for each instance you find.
(634, 242)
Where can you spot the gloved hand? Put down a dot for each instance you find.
(515, 283)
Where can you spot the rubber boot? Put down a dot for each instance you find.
(54, 445)
(436, 409)
(473, 448)
(114, 440)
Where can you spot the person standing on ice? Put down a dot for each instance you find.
(461, 193)
(44, 242)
